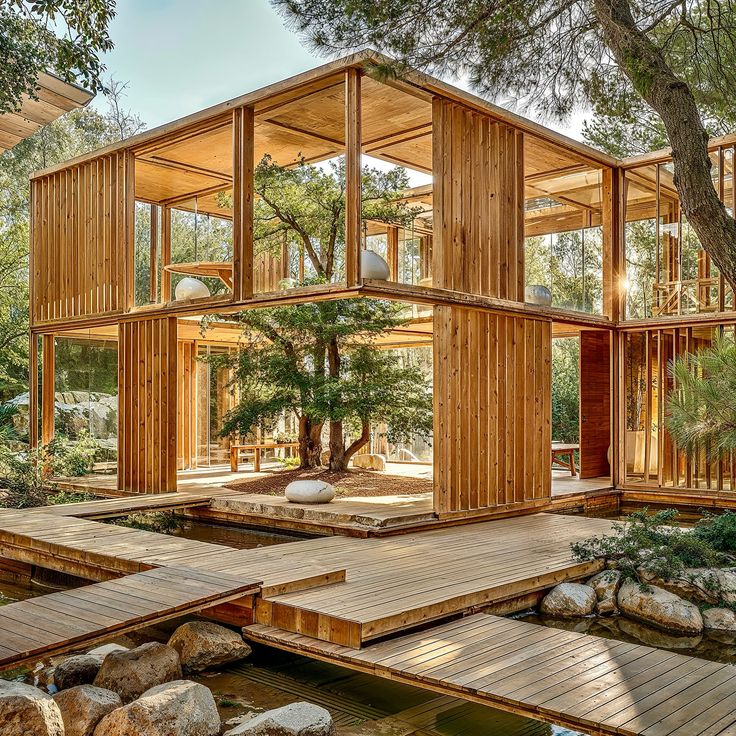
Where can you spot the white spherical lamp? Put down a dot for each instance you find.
(372, 266)
(190, 288)
(538, 294)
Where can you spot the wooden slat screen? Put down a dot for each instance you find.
(492, 427)
(478, 203)
(80, 229)
(188, 404)
(147, 409)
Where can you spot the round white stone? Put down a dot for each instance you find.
(309, 491)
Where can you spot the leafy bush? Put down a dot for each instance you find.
(73, 458)
(650, 545)
(70, 497)
(24, 480)
(718, 530)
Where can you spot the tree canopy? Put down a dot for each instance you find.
(675, 57)
(63, 37)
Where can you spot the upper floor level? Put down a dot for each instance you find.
(280, 195)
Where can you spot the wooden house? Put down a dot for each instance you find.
(104, 266)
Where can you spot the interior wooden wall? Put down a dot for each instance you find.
(82, 219)
(147, 405)
(492, 417)
(186, 436)
(478, 203)
(595, 403)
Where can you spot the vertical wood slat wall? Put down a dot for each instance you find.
(186, 435)
(81, 225)
(478, 179)
(595, 403)
(147, 405)
(492, 417)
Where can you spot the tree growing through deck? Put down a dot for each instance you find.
(675, 56)
(320, 360)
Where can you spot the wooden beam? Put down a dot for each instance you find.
(48, 388)
(352, 176)
(243, 168)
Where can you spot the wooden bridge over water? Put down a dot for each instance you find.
(404, 608)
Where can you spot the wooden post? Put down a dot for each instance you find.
(243, 170)
(392, 251)
(353, 213)
(48, 389)
(33, 390)
(153, 286)
(128, 244)
(165, 254)
(613, 269)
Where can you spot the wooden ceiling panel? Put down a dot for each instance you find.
(210, 151)
(155, 182)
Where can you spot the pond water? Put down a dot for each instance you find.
(230, 536)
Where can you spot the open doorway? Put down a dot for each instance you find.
(581, 410)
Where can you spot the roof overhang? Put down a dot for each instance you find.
(55, 97)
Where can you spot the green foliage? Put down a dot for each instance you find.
(701, 413)
(304, 205)
(162, 522)
(62, 497)
(651, 545)
(718, 530)
(72, 458)
(565, 389)
(65, 37)
(23, 478)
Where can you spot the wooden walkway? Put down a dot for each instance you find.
(570, 679)
(51, 624)
(109, 508)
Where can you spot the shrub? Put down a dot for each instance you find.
(154, 521)
(73, 458)
(718, 530)
(71, 497)
(24, 481)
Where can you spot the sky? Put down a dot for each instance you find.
(180, 56)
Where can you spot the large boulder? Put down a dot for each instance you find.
(80, 669)
(179, 708)
(27, 711)
(295, 719)
(369, 461)
(309, 491)
(659, 608)
(653, 637)
(131, 672)
(569, 600)
(84, 706)
(719, 619)
(705, 584)
(104, 649)
(202, 645)
(605, 586)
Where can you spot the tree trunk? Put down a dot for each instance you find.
(337, 447)
(673, 101)
(341, 462)
(310, 443)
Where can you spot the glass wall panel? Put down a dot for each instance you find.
(147, 253)
(86, 394)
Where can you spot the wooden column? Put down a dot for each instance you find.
(595, 403)
(243, 170)
(478, 176)
(127, 231)
(187, 404)
(492, 412)
(392, 251)
(153, 286)
(147, 405)
(165, 254)
(48, 388)
(33, 390)
(353, 214)
(614, 271)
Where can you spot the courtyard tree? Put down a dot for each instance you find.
(676, 57)
(62, 37)
(320, 360)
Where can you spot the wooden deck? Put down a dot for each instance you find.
(59, 622)
(570, 679)
(395, 583)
